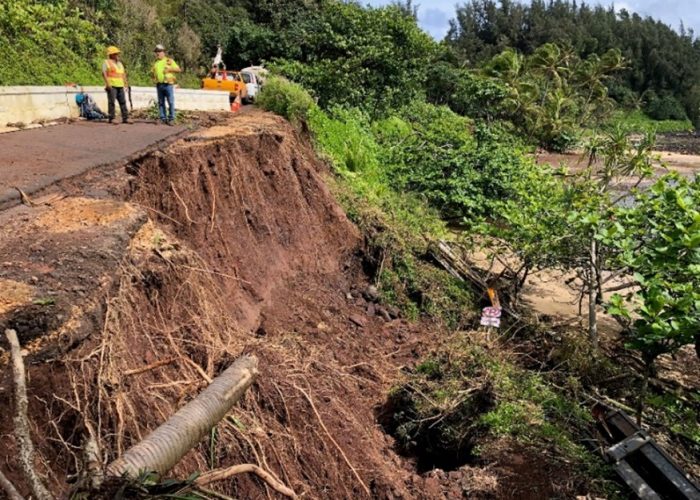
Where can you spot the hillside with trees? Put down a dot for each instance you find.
(431, 144)
(664, 64)
(61, 41)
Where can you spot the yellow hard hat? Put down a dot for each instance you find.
(111, 50)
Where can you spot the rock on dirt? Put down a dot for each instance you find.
(371, 293)
(371, 310)
(360, 321)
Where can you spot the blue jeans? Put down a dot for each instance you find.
(166, 91)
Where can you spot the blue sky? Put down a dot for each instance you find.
(435, 15)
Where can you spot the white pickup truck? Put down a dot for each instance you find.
(254, 78)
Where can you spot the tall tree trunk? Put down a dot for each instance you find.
(593, 296)
(165, 446)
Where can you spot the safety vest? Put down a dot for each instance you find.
(159, 73)
(115, 73)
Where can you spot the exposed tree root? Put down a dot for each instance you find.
(150, 367)
(9, 488)
(26, 446)
(182, 202)
(226, 473)
(342, 453)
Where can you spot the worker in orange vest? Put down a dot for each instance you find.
(116, 81)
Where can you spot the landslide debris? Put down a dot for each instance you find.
(227, 242)
(141, 284)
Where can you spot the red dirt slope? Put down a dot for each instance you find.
(245, 251)
(131, 288)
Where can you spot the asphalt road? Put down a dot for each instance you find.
(34, 159)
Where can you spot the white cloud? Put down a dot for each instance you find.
(623, 6)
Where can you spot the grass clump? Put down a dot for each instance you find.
(639, 122)
(465, 396)
(680, 414)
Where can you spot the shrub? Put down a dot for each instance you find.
(466, 92)
(639, 122)
(465, 171)
(665, 108)
(286, 98)
(623, 95)
(423, 148)
(372, 58)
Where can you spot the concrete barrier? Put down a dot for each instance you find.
(28, 104)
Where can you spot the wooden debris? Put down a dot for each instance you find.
(9, 488)
(221, 474)
(26, 200)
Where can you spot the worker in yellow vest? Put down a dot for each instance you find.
(164, 71)
(116, 81)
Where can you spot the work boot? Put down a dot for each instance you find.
(127, 121)
(169, 123)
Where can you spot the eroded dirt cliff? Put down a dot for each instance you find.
(226, 242)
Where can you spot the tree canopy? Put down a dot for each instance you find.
(664, 63)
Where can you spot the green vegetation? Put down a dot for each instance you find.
(659, 244)
(637, 121)
(54, 42)
(45, 43)
(456, 405)
(464, 170)
(679, 414)
(377, 57)
(287, 99)
(664, 65)
(552, 92)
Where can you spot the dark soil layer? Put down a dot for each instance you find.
(687, 143)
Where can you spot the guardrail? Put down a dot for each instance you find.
(29, 104)
(641, 463)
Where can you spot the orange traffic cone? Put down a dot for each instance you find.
(236, 104)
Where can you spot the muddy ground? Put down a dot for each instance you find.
(686, 143)
(676, 152)
(222, 243)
